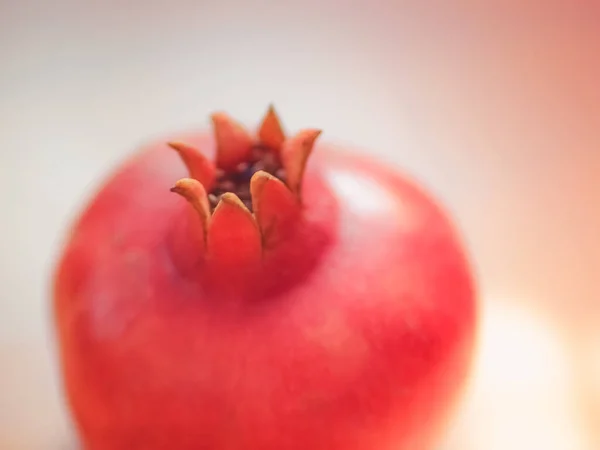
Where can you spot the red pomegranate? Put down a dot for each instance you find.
(271, 305)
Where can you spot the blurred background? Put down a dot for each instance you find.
(494, 106)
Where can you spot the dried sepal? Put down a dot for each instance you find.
(233, 235)
(270, 132)
(199, 166)
(234, 143)
(193, 191)
(294, 157)
(275, 207)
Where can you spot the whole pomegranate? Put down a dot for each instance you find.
(271, 305)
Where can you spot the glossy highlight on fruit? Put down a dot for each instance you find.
(258, 290)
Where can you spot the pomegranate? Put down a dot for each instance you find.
(272, 304)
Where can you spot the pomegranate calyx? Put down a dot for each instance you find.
(270, 132)
(252, 195)
(294, 157)
(234, 143)
(233, 234)
(276, 209)
(198, 165)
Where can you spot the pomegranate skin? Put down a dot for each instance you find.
(365, 345)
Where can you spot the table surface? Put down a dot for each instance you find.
(495, 108)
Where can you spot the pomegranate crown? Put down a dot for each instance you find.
(253, 188)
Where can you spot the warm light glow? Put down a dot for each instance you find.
(523, 396)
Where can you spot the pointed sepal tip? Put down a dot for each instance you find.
(294, 157)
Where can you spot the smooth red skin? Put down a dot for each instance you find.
(368, 350)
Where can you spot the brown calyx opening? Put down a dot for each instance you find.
(237, 181)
